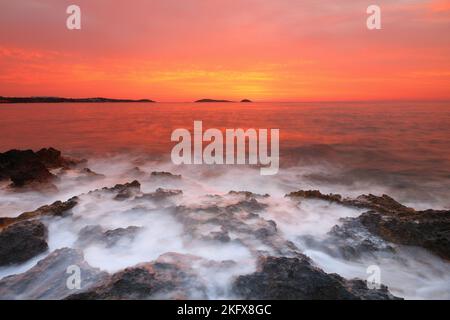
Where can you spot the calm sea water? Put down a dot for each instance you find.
(403, 145)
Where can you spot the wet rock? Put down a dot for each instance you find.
(396, 223)
(247, 229)
(23, 168)
(383, 204)
(296, 279)
(351, 241)
(248, 194)
(122, 191)
(266, 231)
(48, 279)
(315, 194)
(161, 194)
(165, 175)
(399, 224)
(22, 241)
(221, 236)
(250, 206)
(31, 169)
(96, 235)
(123, 187)
(52, 159)
(156, 280)
(57, 209)
(125, 191)
(88, 174)
(429, 229)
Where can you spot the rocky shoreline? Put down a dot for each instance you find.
(281, 270)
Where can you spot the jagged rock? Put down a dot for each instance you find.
(161, 194)
(315, 194)
(267, 231)
(125, 191)
(351, 241)
(48, 279)
(52, 159)
(22, 241)
(248, 194)
(250, 206)
(156, 280)
(221, 236)
(429, 229)
(31, 169)
(165, 175)
(88, 174)
(397, 223)
(384, 204)
(23, 167)
(96, 235)
(248, 228)
(57, 209)
(296, 279)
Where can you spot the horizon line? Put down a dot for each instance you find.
(236, 101)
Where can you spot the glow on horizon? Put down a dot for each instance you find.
(167, 50)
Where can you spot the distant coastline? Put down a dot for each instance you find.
(218, 100)
(66, 100)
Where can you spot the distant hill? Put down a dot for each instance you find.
(246, 100)
(64, 100)
(212, 100)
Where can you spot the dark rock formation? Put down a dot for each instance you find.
(156, 280)
(89, 175)
(251, 206)
(248, 194)
(48, 279)
(23, 167)
(429, 229)
(165, 175)
(399, 224)
(123, 191)
(96, 235)
(246, 101)
(31, 169)
(221, 236)
(395, 222)
(383, 204)
(160, 194)
(52, 158)
(22, 241)
(296, 279)
(57, 209)
(351, 241)
(315, 194)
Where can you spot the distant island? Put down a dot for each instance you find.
(65, 100)
(211, 100)
(216, 100)
(246, 101)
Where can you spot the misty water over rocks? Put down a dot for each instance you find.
(146, 229)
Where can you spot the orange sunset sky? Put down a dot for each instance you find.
(266, 50)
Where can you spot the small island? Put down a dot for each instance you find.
(66, 100)
(246, 101)
(211, 100)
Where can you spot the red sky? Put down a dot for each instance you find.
(266, 50)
